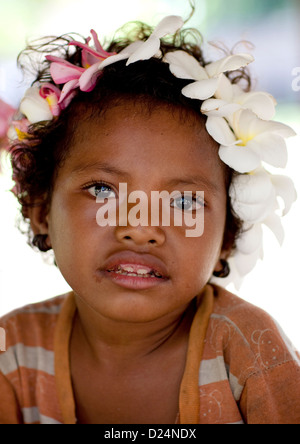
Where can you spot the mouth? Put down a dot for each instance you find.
(135, 272)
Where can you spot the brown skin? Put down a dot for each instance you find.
(128, 347)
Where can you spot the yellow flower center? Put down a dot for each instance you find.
(245, 138)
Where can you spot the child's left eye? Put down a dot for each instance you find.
(188, 203)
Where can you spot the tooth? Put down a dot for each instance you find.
(128, 269)
(142, 271)
(157, 274)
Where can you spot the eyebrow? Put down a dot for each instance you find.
(183, 181)
(103, 166)
(195, 180)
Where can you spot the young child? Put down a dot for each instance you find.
(146, 337)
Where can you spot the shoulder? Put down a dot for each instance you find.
(242, 315)
(33, 324)
(246, 334)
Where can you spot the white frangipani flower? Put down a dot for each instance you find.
(246, 141)
(148, 49)
(185, 66)
(34, 107)
(255, 200)
(254, 196)
(230, 98)
(136, 51)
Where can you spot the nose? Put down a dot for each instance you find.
(132, 231)
(140, 235)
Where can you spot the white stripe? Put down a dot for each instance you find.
(32, 414)
(49, 306)
(236, 388)
(41, 307)
(212, 370)
(32, 309)
(215, 370)
(36, 358)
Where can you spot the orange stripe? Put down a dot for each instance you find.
(189, 400)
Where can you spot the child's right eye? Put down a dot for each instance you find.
(100, 191)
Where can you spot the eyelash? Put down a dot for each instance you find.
(100, 184)
(97, 183)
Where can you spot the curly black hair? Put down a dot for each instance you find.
(36, 161)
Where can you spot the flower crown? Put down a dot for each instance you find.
(241, 122)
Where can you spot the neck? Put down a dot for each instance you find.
(121, 342)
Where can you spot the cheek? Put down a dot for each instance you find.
(72, 227)
(207, 248)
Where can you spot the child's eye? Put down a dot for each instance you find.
(100, 191)
(188, 203)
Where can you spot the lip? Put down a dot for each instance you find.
(135, 282)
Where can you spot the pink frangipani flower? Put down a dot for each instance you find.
(64, 72)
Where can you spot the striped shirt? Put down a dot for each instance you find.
(249, 372)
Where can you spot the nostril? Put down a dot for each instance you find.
(127, 237)
(152, 241)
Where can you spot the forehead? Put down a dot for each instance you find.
(159, 139)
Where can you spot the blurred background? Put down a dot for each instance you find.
(272, 28)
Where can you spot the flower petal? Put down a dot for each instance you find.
(285, 188)
(101, 54)
(250, 240)
(244, 124)
(252, 188)
(67, 90)
(273, 222)
(201, 90)
(271, 148)
(252, 213)
(88, 79)
(169, 25)
(229, 63)
(185, 66)
(219, 108)
(146, 51)
(220, 131)
(241, 159)
(225, 89)
(246, 262)
(97, 44)
(52, 94)
(259, 126)
(262, 104)
(34, 107)
(62, 73)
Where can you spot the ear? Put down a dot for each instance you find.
(221, 268)
(39, 221)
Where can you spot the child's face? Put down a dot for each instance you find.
(148, 152)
